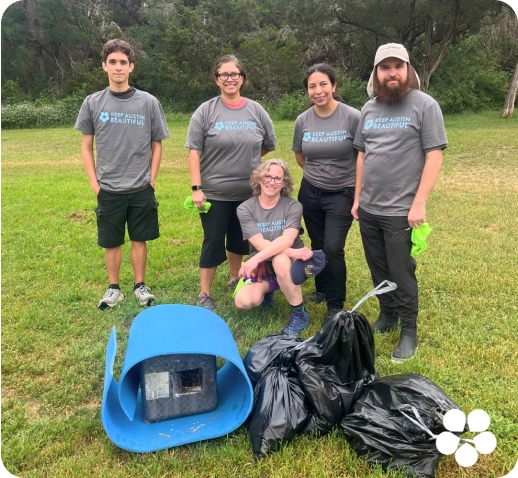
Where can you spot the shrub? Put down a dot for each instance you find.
(291, 105)
(468, 79)
(353, 91)
(44, 115)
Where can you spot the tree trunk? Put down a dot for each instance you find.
(508, 108)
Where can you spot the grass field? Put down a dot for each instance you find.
(54, 338)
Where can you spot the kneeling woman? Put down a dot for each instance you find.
(270, 220)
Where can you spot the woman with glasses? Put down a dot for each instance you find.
(323, 146)
(227, 137)
(270, 220)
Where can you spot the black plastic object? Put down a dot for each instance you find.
(334, 366)
(263, 353)
(178, 385)
(280, 411)
(379, 426)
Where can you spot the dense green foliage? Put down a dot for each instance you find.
(464, 50)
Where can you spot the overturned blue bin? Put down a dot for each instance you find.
(162, 331)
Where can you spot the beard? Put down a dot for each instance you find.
(396, 95)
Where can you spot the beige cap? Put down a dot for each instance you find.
(391, 50)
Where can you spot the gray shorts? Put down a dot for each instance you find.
(139, 210)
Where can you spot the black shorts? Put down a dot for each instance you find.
(138, 209)
(221, 221)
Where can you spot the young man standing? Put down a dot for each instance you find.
(400, 139)
(128, 126)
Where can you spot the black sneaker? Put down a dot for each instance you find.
(206, 301)
(406, 347)
(316, 297)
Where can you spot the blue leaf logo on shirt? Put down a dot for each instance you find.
(218, 125)
(104, 117)
(368, 124)
(307, 136)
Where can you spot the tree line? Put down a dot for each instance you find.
(465, 51)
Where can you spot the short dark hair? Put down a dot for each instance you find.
(112, 46)
(327, 70)
(229, 59)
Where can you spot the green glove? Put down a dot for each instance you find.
(239, 285)
(188, 204)
(419, 235)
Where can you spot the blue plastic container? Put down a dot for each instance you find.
(173, 329)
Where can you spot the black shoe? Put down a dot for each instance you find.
(385, 323)
(331, 312)
(316, 297)
(406, 347)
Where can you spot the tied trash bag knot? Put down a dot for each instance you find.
(308, 386)
(395, 421)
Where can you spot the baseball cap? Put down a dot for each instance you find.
(391, 50)
(300, 270)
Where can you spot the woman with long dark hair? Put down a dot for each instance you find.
(323, 147)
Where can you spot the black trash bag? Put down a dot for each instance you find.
(334, 366)
(262, 354)
(280, 409)
(379, 426)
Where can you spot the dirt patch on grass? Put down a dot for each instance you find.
(176, 242)
(84, 216)
(92, 404)
(479, 179)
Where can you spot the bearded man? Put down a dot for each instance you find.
(400, 138)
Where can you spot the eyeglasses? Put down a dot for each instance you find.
(225, 76)
(269, 179)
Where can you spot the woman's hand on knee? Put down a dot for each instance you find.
(303, 254)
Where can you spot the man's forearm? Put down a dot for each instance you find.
(87, 153)
(156, 158)
(429, 177)
(359, 176)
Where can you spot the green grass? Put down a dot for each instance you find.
(54, 338)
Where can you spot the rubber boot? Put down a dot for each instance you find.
(406, 347)
(385, 323)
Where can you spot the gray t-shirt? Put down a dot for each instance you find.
(327, 144)
(123, 130)
(271, 223)
(230, 141)
(395, 139)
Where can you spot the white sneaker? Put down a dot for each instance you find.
(111, 297)
(143, 295)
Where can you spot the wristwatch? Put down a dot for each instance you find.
(196, 187)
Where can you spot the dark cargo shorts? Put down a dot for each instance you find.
(139, 210)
